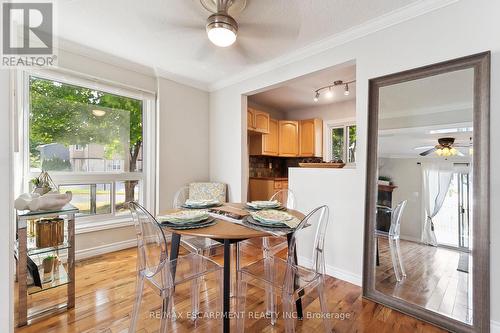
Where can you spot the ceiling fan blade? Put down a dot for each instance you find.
(427, 152)
(423, 147)
(459, 153)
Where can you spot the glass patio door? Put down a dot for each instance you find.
(451, 224)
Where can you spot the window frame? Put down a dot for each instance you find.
(147, 177)
(329, 125)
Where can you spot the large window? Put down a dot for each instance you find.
(341, 142)
(89, 140)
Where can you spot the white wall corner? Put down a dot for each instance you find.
(335, 272)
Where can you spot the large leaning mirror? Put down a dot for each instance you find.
(427, 209)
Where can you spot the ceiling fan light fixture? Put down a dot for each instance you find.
(222, 29)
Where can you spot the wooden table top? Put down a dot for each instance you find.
(224, 229)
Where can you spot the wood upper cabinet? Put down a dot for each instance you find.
(311, 138)
(270, 142)
(250, 119)
(257, 121)
(265, 144)
(288, 138)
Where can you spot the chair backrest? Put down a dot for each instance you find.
(313, 226)
(286, 197)
(207, 191)
(151, 241)
(180, 197)
(396, 219)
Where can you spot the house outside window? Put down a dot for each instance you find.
(341, 141)
(90, 141)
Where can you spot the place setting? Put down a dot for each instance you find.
(201, 203)
(264, 204)
(274, 221)
(187, 219)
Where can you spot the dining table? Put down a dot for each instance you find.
(227, 231)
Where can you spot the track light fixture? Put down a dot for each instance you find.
(329, 88)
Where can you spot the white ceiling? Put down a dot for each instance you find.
(299, 93)
(440, 102)
(169, 35)
(440, 93)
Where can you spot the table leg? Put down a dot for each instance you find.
(227, 286)
(298, 303)
(174, 251)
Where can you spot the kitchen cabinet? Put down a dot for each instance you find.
(265, 144)
(288, 141)
(311, 138)
(250, 119)
(264, 188)
(258, 121)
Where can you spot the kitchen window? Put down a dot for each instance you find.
(341, 142)
(91, 139)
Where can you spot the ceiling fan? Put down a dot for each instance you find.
(248, 29)
(446, 147)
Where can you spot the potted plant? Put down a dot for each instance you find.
(48, 264)
(384, 180)
(43, 183)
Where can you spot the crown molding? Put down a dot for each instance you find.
(382, 22)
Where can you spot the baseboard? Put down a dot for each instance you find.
(335, 272)
(494, 326)
(411, 239)
(106, 248)
(344, 275)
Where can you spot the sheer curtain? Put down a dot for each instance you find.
(436, 177)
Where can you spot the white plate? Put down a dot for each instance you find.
(272, 216)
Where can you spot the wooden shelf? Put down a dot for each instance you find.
(386, 188)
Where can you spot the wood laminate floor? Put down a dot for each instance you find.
(432, 281)
(105, 294)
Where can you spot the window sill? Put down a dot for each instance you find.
(96, 225)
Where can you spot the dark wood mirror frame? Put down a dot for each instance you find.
(481, 194)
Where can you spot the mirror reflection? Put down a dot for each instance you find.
(424, 204)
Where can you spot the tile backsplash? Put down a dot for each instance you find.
(268, 166)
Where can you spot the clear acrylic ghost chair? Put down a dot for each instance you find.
(288, 279)
(200, 245)
(162, 274)
(393, 239)
(272, 245)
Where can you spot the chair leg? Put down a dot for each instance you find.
(195, 290)
(400, 259)
(323, 303)
(395, 260)
(139, 286)
(166, 310)
(288, 312)
(241, 303)
(268, 268)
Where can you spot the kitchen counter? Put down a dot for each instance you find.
(271, 178)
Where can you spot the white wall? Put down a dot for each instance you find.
(183, 148)
(335, 111)
(463, 28)
(334, 188)
(406, 174)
